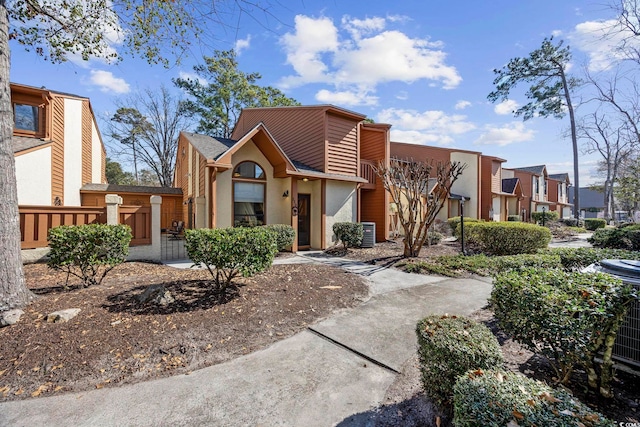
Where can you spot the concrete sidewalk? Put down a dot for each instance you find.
(319, 377)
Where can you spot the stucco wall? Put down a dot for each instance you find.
(278, 208)
(72, 151)
(33, 173)
(467, 184)
(342, 206)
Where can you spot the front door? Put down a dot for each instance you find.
(304, 220)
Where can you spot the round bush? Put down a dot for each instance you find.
(285, 234)
(548, 216)
(593, 224)
(448, 346)
(499, 399)
(627, 237)
(349, 233)
(507, 238)
(514, 218)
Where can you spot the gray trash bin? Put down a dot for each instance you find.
(627, 346)
(369, 234)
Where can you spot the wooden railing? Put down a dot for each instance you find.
(139, 219)
(368, 172)
(35, 221)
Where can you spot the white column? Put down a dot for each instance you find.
(113, 201)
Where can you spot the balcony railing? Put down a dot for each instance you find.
(368, 172)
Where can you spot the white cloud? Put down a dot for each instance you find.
(600, 39)
(242, 44)
(424, 127)
(192, 76)
(556, 33)
(345, 98)
(505, 135)
(108, 83)
(506, 107)
(462, 104)
(403, 95)
(363, 54)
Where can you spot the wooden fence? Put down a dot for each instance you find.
(35, 222)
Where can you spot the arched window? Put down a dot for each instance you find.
(248, 195)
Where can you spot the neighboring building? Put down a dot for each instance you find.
(534, 187)
(467, 185)
(57, 146)
(591, 202)
(500, 197)
(558, 187)
(299, 165)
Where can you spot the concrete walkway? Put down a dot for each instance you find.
(338, 367)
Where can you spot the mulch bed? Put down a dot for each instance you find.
(116, 340)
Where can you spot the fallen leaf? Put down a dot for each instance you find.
(39, 391)
(518, 415)
(99, 385)
(592, 417)
(499, 377)
(531, 402)
(36, 368)
(19, 392)
(2, 372)
(331, 287)
(58, 388)
(549, 397)
(438, 421)
(513, 423)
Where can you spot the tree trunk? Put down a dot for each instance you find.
(574, 141)
(13, 290)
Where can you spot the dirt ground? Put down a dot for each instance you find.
(115, 340)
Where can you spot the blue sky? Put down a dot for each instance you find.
(423, 66)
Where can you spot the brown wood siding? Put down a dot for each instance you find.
(103, 165)
(552, 193)
(57, 150)
(486, 202)
(527, 190)
(201, 171)
(298, 131)
(86, 143)
(374, 204)
(181, 173)
(342, 145)
(420, 152)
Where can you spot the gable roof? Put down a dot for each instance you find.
(211, 148)
(536, 170)
(560, 177)
(23, 143)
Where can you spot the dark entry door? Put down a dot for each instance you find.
(304, 220)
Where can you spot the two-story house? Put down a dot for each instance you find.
(57, 146)
(500, 196)
(534, 181)
(558, 187)
(300, 165)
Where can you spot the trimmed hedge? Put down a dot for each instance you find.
(285, 234)
(569, 318)
(593, 224)
(454, 223)
(548, 216)
(627, 237)
(89, 251)
(572, 222)
(230, 252)
(507, 238)
(349, 233)
(573, 259)
(498, 399)
(448, 346)
(514, 218)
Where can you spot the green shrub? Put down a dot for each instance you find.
(230, 252)
(499, 399)
(593, 224)
(88, 252)
(349, 233)
(524, 261)
(566, 317)
(433, 237)
(454, 223)
(549, 216)
(627, 237)
(573, 259)
(572, 222)
(514, 218)
(506, 238)
(285, 235)
(448, 346)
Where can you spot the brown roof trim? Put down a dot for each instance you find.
(333, 177)
(324, 107)
(499, 159)
(431, 147)
(377, 126)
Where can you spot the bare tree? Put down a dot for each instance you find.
(418, 196)
(148, 124)
(624, 30)
(614, 141)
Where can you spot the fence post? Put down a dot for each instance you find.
(156, 242)
(113, 201)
